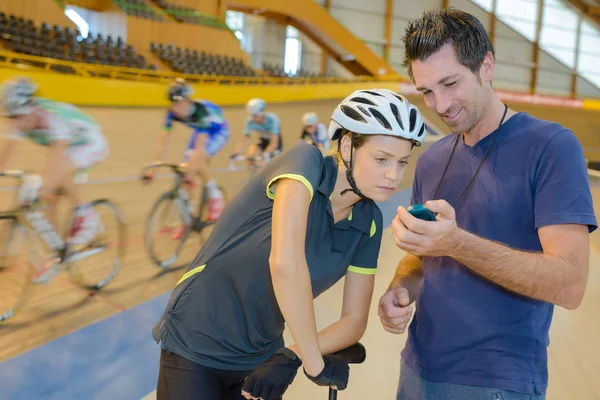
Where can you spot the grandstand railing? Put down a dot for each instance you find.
(25, 62)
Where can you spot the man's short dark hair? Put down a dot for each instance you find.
(435, 28)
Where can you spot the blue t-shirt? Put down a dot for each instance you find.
(466, 329)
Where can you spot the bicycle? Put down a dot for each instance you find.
(253, 163)
(27, 225)
(177, 205)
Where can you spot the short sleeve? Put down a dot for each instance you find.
(303, 163)
(274, 126)
(561, 184)
(365, 258)
(168, 124)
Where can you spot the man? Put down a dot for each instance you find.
(514, 211)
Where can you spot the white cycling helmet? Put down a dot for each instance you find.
(377, 112)
(310, 118)
(256, 106)
(17, 97)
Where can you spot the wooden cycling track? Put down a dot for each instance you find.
(58, 308)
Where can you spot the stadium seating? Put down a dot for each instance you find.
(191, 61)
(24, 37)
(279, 72)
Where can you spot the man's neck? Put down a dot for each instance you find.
(489, 122)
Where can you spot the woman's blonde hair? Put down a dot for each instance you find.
(357, 143)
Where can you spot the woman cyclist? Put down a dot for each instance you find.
(297, 227)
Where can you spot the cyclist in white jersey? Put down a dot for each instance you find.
(268, 127)
(74, 140)
(314, 132)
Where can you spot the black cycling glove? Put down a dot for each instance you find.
(335, 373)
(271, 379)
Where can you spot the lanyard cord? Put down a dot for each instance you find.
(478, 168)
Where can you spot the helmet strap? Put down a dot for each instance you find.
(348, 165)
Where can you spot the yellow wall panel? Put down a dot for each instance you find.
(113, 92)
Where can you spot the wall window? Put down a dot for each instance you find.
(236, 22)
(293, 51)
(78, 20)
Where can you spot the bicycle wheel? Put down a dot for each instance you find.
(167, 228)
(20, 256)
(94, 264)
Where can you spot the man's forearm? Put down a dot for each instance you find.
(539, 276)
(409, 274)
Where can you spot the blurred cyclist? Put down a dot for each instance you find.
(210, 132)
(74, 143)
(314, 132)
(268, 127)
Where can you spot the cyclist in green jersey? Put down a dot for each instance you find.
(74, 140)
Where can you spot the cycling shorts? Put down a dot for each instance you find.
(86, 155)
(263, 143)
(214, 142)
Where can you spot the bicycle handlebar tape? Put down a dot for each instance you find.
(335, 373)
(355, 354)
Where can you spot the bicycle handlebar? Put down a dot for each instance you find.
(177, 168)
(355, 354)
(13, 174)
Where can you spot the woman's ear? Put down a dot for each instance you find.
(345, 147)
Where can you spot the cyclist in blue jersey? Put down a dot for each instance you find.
(74, 141)
(267, 125)
(314, 132)
(210, 132)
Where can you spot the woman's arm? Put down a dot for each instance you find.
(358, 291)
(289, 271)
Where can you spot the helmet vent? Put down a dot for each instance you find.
(396, 115)
(362, 100)
(421, 131)
(352, 113)
(381, 119)
(364, 111)
(399, 98)
(413, 119)
(372, 93)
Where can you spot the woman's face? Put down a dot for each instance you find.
(379, 164)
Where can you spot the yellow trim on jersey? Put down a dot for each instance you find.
(373, 229)
(297, 177)
(361, 270)
(191, 273)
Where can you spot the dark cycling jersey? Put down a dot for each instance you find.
(223, 313)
